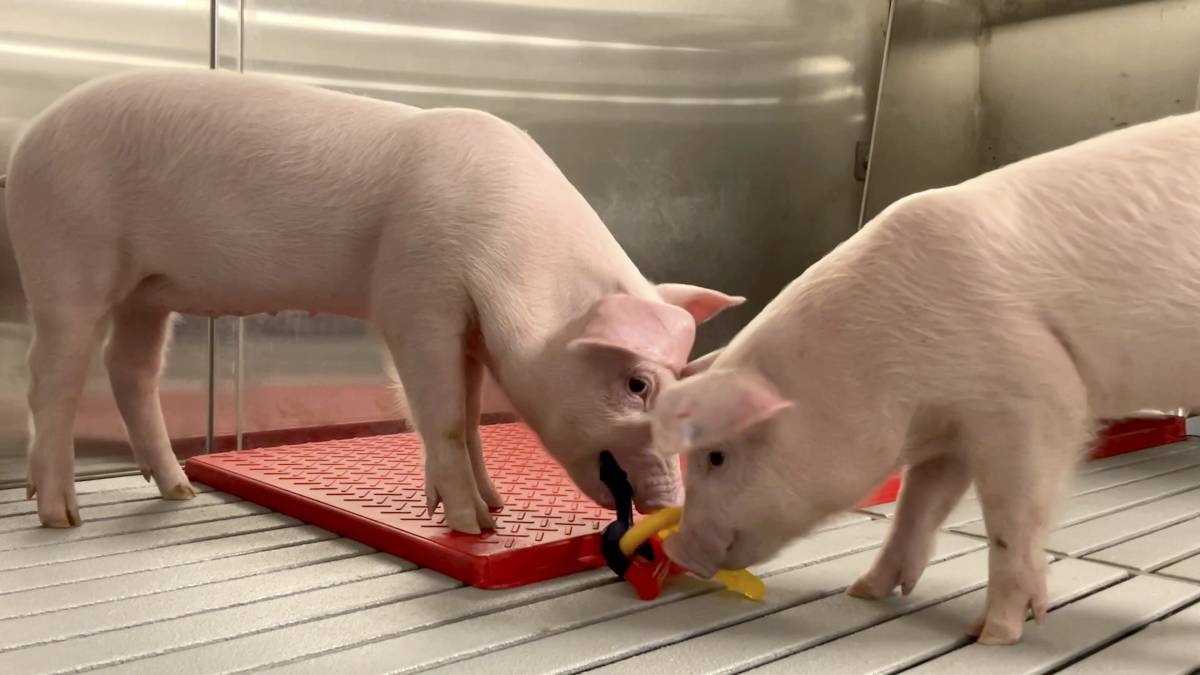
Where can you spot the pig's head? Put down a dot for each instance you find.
(603, 373)
(761, 470)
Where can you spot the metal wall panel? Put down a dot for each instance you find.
(1057, 80)
(971, 86)
(927, 126)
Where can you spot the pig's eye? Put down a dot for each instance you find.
(638, 386)
(716, 458)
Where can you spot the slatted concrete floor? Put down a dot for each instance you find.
(219, 585)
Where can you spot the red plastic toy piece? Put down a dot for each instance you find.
(648, 576)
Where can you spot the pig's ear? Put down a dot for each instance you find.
(701, 364)
(702, 303)
(711, 408)
(648, 330)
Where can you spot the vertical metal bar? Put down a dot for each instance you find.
(883, 65)
(209, 429)
(1197, 106)
(212, 34)
(241, 54)
(239, 399)
(240, 336)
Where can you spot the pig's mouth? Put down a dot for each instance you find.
(702, 555)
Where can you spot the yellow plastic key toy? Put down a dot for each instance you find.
(665, 523)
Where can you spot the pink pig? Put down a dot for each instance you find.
(449, 230)
(975, 333)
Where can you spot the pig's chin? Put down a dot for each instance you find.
(592, 487)
(599, 494)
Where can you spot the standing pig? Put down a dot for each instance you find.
(449, 230)
(975, 333)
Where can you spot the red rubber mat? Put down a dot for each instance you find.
(1136, 434)
(371, 489)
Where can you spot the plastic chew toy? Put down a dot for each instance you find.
(634, 551)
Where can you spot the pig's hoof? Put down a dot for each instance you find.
(464, 523)
(470, 521)
(870, 587)
(180, 492)
(62, 519)
(57, 507)
(995, 632)
(492, 498)
(172, 482)
(997, 635)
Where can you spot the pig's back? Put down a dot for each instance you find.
(1102, 228)
(279, 191)
(172, 134)
(1126, 241)
(1099, 242)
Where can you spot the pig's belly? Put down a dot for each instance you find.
(245, 294)
(254, 269)
(1152, 367)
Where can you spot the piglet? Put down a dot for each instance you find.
(449, 230)
(975, 333)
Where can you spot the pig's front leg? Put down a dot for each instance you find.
(1020, 465)
(930, 490)
(474, 409)
(431, 364)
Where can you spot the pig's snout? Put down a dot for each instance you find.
(702, 554)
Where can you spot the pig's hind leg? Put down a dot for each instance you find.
(474, 408)
(930, 490)
(134, 358)
(65, 335)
